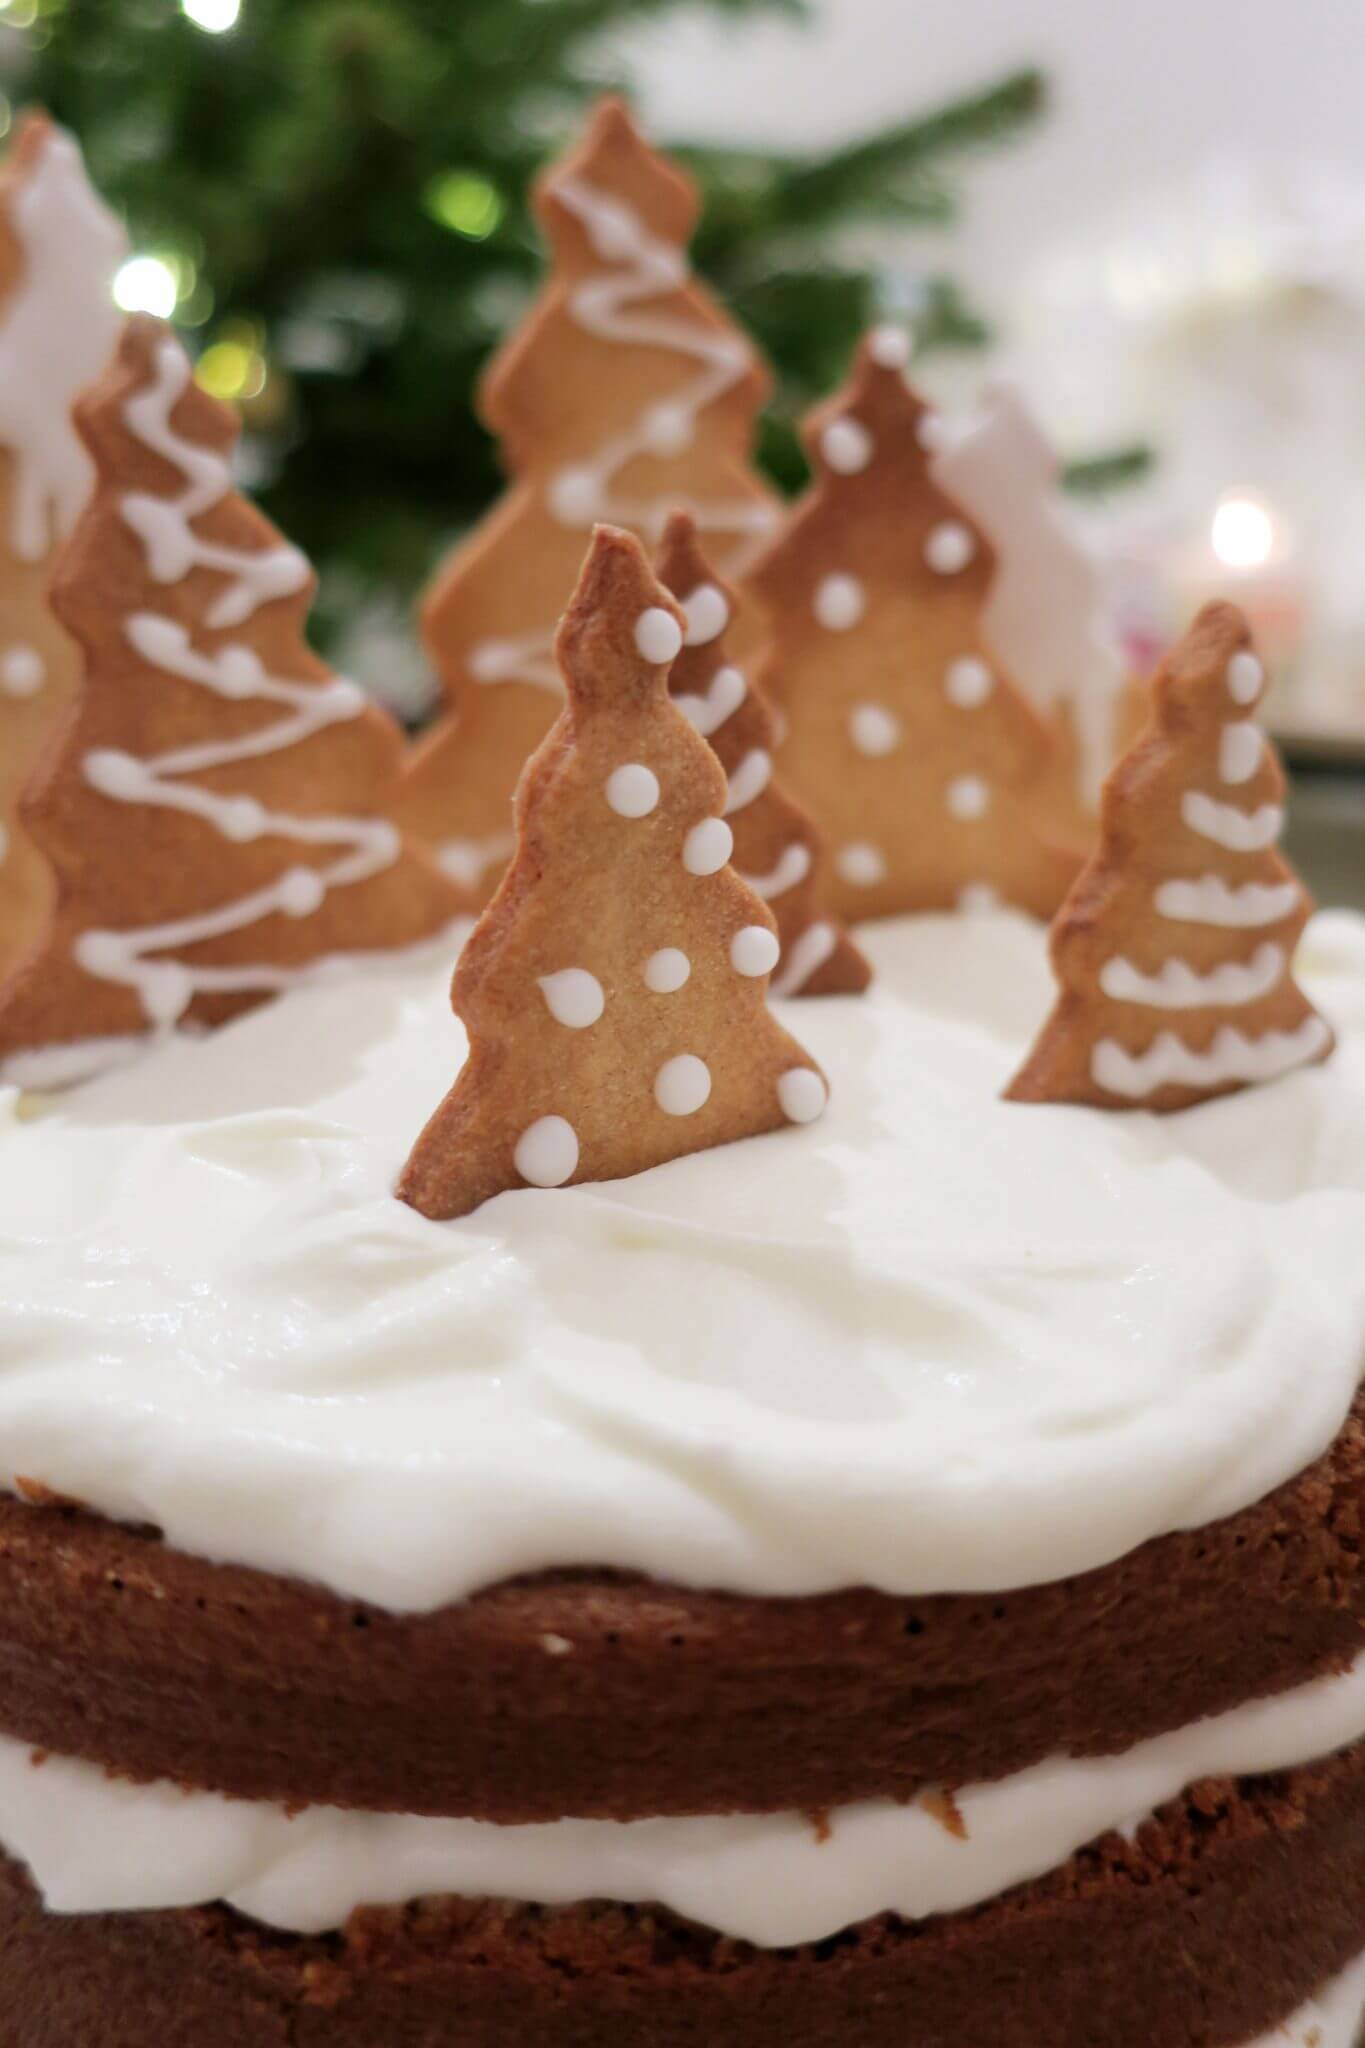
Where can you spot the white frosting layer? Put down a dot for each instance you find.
(98, 1844)
(1334, 2019)
(932, 1342)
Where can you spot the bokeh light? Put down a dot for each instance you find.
(215, 17)
(1243, 533)
(147, 284)
(465, 203)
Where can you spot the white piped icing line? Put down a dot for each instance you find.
(1179, 986)
(750, 778)
(165, 525)
(682, 1085)
(840, 602)
(1237, 830)
(874, 730)
(1237, 906)
(102, 1844)
(22, 671)
(667, 971)
(573, 997)
(707, 615)
(58, 329)
(949, 547)
(846, 445)
(754, 950)
(1232, 1060)
(641, 267)
(809, 953)
(658, 636)
(708, 846)
(467, 861)
(546, 1154)
(1240, 748)
(724, 695)
(861, 864)
(367, 845)
(792, 866)
(633, 789)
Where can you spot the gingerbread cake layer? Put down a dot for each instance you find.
(593, 1695)
(1220, 1919)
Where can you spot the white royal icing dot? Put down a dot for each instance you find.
(968, 797)
(839, 603)
(968, 682)
(547, 1152)
(1240, 751)
(931, 432)
(1246, 677)
(166, 990)
(707, 615)
(666, 429)
(802, 1094)
(890, 347)
(846, 446)
(667, 970)
(633, 790)
(754, 950)
(575, 497)
(301, 892)
(682, 1085)
(708, 846)
(873, 729)
(949, 547)
(573, 997)
(658, 635)
(22, 672)
(861, 865)
(242, 818)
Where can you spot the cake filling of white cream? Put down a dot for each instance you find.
(933, 1342)
(96, 1843)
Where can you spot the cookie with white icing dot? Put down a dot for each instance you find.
(1175, 952)
(614, 992)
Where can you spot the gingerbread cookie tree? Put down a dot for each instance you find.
(1046, 620)
(213, 814)
(905, 737)
(625, 394)
(615, 990)
(59, 249)
(1175, 949)
(778, 848)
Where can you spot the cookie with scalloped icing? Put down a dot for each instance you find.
(905, 735)
(1175, 950)
(214, 813)
(615, 989)
(625, 393)
(779, 849)
(59, 249)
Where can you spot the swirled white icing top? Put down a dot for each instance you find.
(934, 1342)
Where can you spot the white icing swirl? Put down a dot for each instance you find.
(881, 1348)
(97, 1844)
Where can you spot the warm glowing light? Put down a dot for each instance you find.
(145, 284)
(465, 203)
(232, 370)
(1243, 533)
(213, 16)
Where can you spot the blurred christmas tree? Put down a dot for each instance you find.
(330, 196)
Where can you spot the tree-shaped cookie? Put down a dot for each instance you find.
(615, 990)
(779, 850)
(1046, 619)
(59, 249)
(626, 393)
(905, 737)
(213, 812)
(1175, 949)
